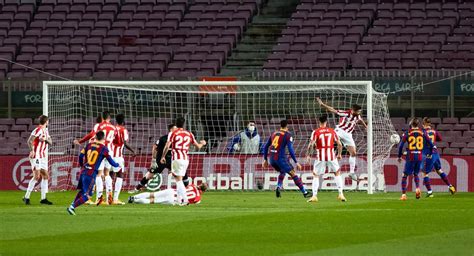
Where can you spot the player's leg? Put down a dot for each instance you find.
(427, 167)
(108, 182)
(297, 181)
(333, 166)
(442, 175)
(149, 175)
(319, 167)
(32, 183)
(99, 182)
(348, 142)
(84, 193)
(118, 171)
(44, 187)
(142, 198)
(407, 172)
(167, 196)
(179, 168)
(281, 176)
(416, 178)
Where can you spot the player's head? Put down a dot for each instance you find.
(171, 127)
(203, 187)
(99, 119)
(120, 119)
(251, 126)
(284, 124)
(43, 120)
(426, 122)
(106, 115)
(180, 122)
(414, 123)
(323, 120)
(99, 136)
(356, 109)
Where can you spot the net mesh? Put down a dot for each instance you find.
(218, 114)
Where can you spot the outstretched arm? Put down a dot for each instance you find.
(363, 123)
(329, 108)
(85, 138)
(200, 144)
(129, 148)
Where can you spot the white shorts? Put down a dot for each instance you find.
(167, 196)
(179, 167)
(345, 137)
(320, 166)
(39, 163)
(105, 165)
(120, 161)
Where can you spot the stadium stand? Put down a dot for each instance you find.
(376, 35)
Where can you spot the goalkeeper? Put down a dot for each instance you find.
(156, 167)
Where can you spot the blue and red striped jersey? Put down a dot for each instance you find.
(417, 141)
(434, 137)
(277, 144)
(91, 157)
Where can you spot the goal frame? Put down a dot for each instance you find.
(366, 83)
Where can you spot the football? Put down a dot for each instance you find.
(394, 139)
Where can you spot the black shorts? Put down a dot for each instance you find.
(162, 167)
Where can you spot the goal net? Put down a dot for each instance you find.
(218, 112)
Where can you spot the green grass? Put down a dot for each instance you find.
(242, 223)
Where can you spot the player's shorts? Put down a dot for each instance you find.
(179, 167)
(319, 167)
(161, 166)
(86, 184)
(39, 163)
(432, 163)
(167, 196)
(345, 137)
(120, 161)
(412, 167)
(282, 165)
(105, 165)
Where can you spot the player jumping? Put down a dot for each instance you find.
(169, 196)
(322, 139)
(156, 166)
(347, 122)
(120, 141)
(277, 144)
(38, 143)
(434, 161)
(179, 142)
(90, 158)
(417, 141)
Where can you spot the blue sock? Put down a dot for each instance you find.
(299, 183)
(280, 180)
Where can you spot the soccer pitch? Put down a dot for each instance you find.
(242, 223)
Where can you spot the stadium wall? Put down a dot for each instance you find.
(222, 172)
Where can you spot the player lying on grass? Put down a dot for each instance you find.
(90, 158)
(179, 142)
(170, 196)
(120, 141)
(322, 140)
(38, 143)
(417, 140)
(433, 162)
(276, 146)
(156, 166)
(345, 127)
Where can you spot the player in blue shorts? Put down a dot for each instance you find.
(90, 158)
(276, 146)
(417, 140)
(435, 161)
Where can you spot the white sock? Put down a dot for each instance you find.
(142, 201)
(44, 188)
(108, 184)
(145, 195)
(315, 185)
(181, 191)
(99, 186)
(339, 184)
(31, 186)
(352, 164)
(118, 187)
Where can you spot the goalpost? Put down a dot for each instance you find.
(217, 111)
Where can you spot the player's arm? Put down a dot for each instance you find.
(125, 143)
(363, 122)
(165, 151)
(30, 145)
(265, 152)
(438, 137)
(89, 136)
(154, 152)
(234, 144)
(329, 108)
(401, 145)
(429, 143)
(109, 158)
(81, 157)
(199, 144)
(292, 152)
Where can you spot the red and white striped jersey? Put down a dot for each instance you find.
(324, 139)
(40, 147)
(180, 140)
(194, 194)
(347, 120)
(109, 130)
(121, 136)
